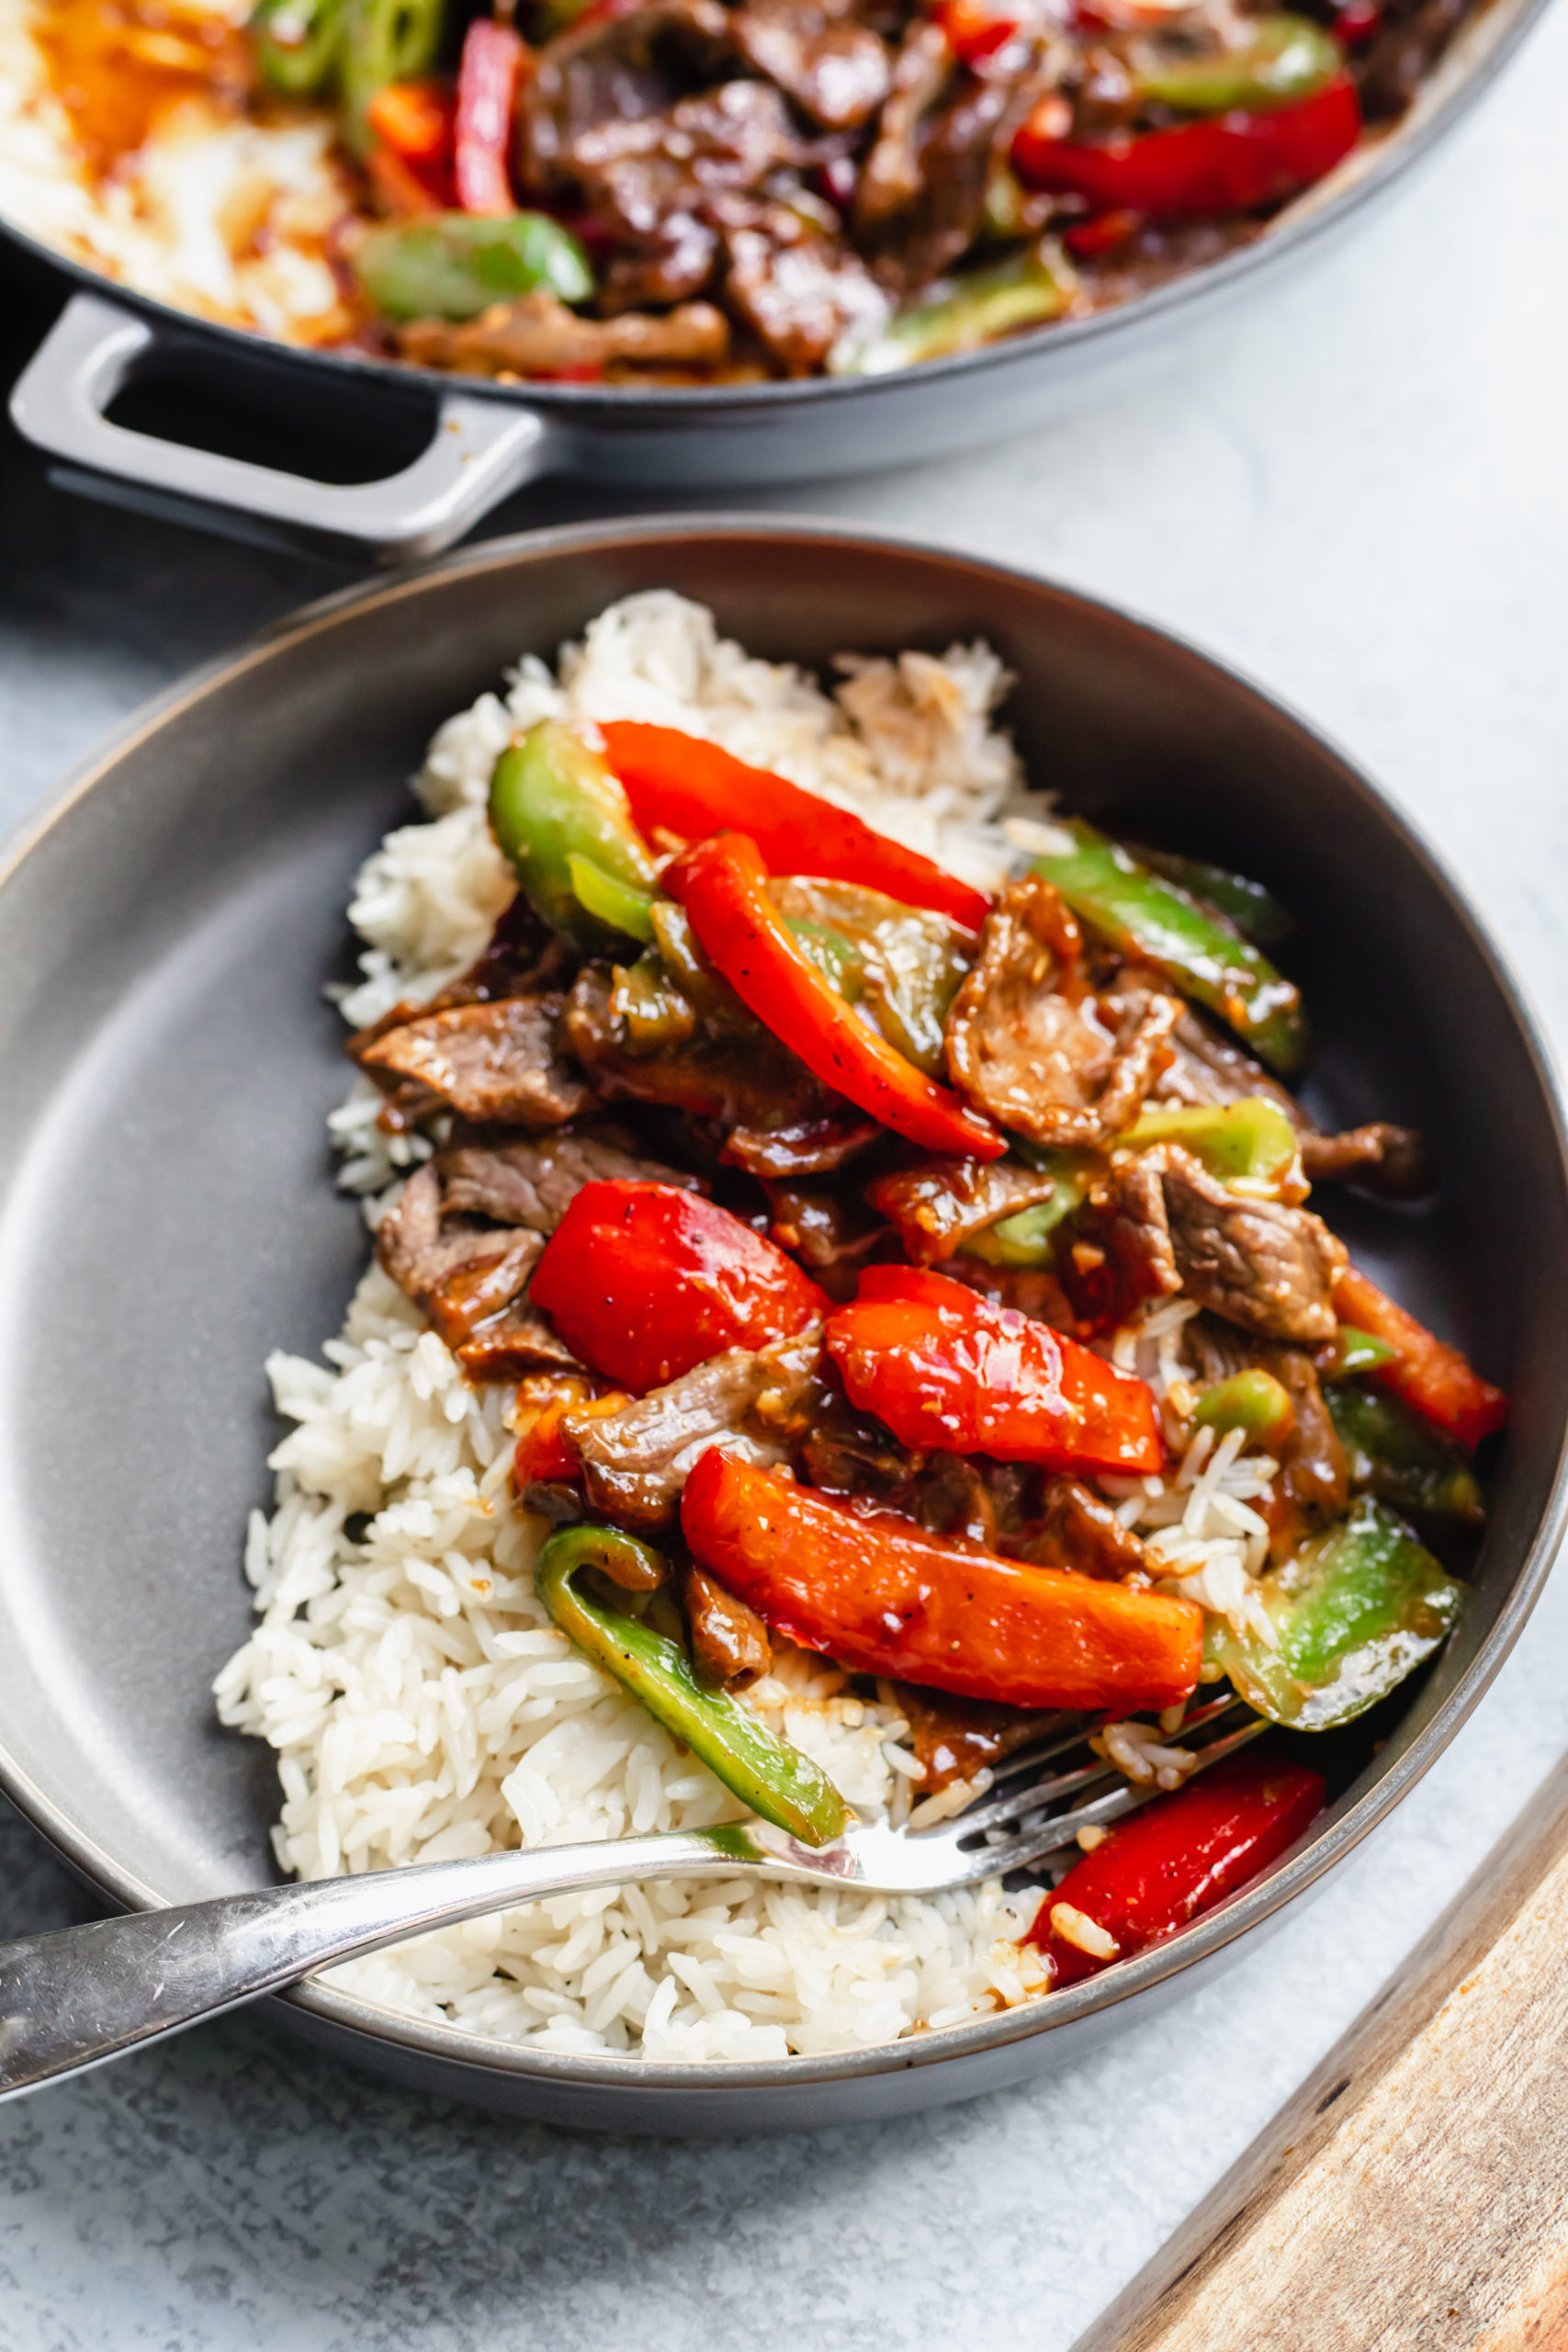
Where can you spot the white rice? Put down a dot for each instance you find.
(420, 1703)
(215, 214)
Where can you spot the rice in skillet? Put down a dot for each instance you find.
(421, 1704)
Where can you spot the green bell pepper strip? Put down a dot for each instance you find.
(1195, 950)
(1026, 290)
(613, 903)
(1252, 1401)
(552, 799)
(383, 42)
(904, 963)
(1250, 1144)
(1351, 1352)
(296, 44)
(1287, 60)
(1399, 1458)
(1255, 911)
(1028, 1238)
(1354, 1613)
(775, 1779)
(455, 265)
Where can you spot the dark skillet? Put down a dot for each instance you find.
(477, 441)
(167, 1215)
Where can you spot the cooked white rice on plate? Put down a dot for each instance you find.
(421, 1704)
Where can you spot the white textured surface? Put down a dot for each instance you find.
(1360, 494)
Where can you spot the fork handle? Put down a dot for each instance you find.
(72, 1999)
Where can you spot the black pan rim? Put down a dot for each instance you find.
(1395, 150)
(1347, 1825)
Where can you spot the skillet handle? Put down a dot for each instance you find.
(478, 452)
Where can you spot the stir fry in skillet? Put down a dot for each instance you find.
(696, 191)
(927, 1277)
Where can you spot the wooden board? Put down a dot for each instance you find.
(1412, 2196)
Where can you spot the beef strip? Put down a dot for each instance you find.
(493, 1063)
(951, 1494)
(1312, 1488)
(613, 66)
(1025, 1041)
(1117, 1252)
(937, 1205)
(810, 1147)
(635, 1461)
(1080, 1530)
(826, 1230)
(1258, 1264)
(533, 1181)
(889, 181)
(836, 68)
(462, 1276)
(1028, 1290)
(955, 1739)
(800, 288)
(728, 1069)
(729, 1642)
(512, 1344)
(1391, 1161)
(537, 335)
(958, 148)
(647, 184)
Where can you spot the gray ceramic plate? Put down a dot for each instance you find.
(167, 1215)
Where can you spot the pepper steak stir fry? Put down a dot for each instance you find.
(815, 1201)
(724, 190)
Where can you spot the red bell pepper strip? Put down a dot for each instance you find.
(884, 1596)
(973, 30)
(544, 1455)
(722, 884)
(946, 1369)
(1230, 162)
(686, 786)
(487, 90)
(414, 119)
(1433, 1379)
(1176, 1858)
(645, 1280)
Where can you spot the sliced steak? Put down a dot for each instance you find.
(1391, 1161)
(936, 1206)
(729, 1642)
(1080, 1530)
(837, 69)
(955, 1739)
(729, 1069)
(1207, 1068)
(613, 66)
(810, 1147)
(496, 1064)
(1025, 1040)
(799, 287)
(1257, 1263)
(537, 335)
(890, 181)
(636, 1461)
(534, 1183)
(512, 1345)
(1118, 1251)
(648, 184)
(823, 1228)
(460, 1274)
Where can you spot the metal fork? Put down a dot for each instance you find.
(81, 1996)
